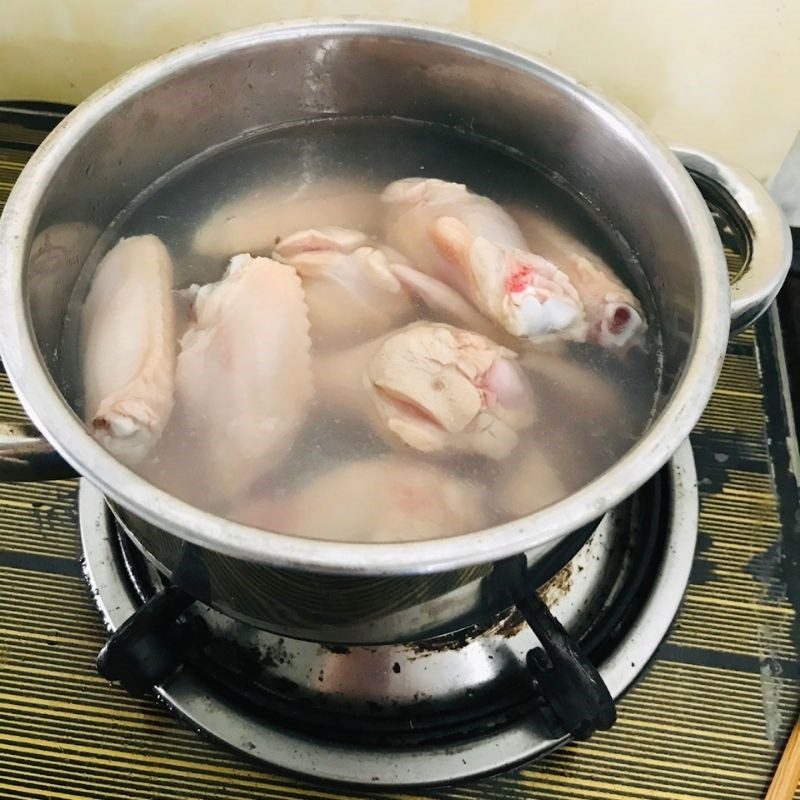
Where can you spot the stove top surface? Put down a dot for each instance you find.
(708, 719)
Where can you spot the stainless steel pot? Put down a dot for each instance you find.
(160, 114)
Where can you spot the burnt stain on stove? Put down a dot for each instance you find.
(336, 649)
(276, 654)
(558, 586)
(439, 644)
(241, 659)
(510, 626)
(235, 664)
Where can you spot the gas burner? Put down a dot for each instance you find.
(460, 705)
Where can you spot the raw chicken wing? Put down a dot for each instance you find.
(257, 222)
(128, 347)
(350, 289)
(57, 256)
(244, 376)
(613, 314)
(435, 388)
(473, 245)
(386, 499)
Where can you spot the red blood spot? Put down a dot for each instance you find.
(622, 316)
(519, 280)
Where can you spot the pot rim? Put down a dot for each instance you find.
(53, 416)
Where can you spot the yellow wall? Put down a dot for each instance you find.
(719, 74)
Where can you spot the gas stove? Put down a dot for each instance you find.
(431, 711)
(702, 713)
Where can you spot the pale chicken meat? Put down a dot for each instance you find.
(257, 222)
(244, 376)
(595, 410)
(128, 347)
(183, 303)
(579, 389)
(613, 314)
(415, 205)
(530, 481)
(386, 499)
(470, 243)
(351, 291)
(434, 388)
(443, 300)
(62, 246)
(57, 256)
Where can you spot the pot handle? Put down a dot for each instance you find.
(25, 455)
(753, 230)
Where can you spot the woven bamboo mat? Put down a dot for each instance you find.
(707, 721)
